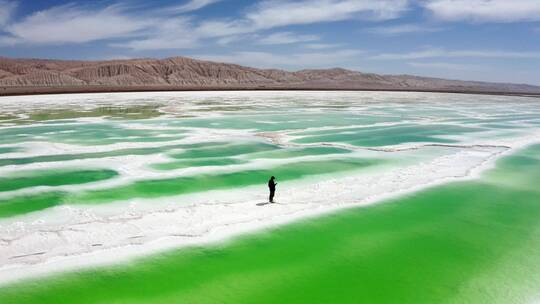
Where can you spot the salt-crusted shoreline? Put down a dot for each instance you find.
(69, 237)
(75, 237)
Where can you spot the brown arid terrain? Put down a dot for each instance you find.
(39, 76)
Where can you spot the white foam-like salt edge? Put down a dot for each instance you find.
(246, 98)
(187, 100)
(132, 168)
(42, 249)
(135, 167)
(44, 148)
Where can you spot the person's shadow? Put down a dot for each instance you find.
(263, 204)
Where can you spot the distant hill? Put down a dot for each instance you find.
(27, 76)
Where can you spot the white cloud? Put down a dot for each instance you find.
(71, 24)
(445, 66)
(235, 38)
(270, 60)
(272, 39)
(287, 38)
(322, 46)
(440, 53)
(269, 14)
(484, 10)
(74, 24)
(192, 5)
(272, 14)
(224, 28)
(7, 40)
(7, 8)
(168, 34)
(410, 55)
(404, 29)
(163, 29)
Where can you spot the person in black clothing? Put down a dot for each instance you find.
(272, 187)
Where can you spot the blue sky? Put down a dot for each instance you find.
(491, 40)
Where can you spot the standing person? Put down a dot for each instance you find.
(272, 187)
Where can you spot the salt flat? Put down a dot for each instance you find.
(191, 168)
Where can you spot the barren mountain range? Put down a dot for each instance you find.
(27, 76)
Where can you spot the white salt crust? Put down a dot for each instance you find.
(78, 236)
(70, 237)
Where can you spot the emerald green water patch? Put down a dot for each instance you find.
(207, 182)
(203, 162)
(292, 121)
(53, 178)
(105, 134)
(345, 130)
(388, 135)
(4, 150)
(500, 126)
(29, 203)
(447, 244)
(518, 171)
(43, 129)
(297, 152)
(85, 134)
(222, 156)
(94, 155)
(217, 108)
(183, 185)
(68, 157)
(224, 151)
